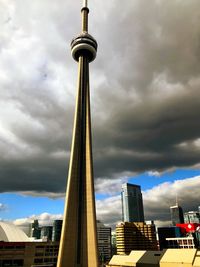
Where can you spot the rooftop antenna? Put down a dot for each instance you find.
(85, 11)
(85, 3)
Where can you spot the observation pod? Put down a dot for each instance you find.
(78, 243)
(84, 45)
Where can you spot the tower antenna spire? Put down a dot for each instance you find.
(85, 11)
(85, 3)
(176, 199)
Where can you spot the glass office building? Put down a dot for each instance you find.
(132, 204)
(192, 217)
(176, 215)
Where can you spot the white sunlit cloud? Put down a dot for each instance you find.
(109, 209)
(154, 173)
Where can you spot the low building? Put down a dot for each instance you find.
(28, 254)
(181, 242)
(11, 233)
(192, 217)
(137, 258)
(16, 249)
(165, 258)
(191, 229)
(135, 236)
(167, 232)
(178, 257)
(196, 262)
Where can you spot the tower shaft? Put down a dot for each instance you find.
(78, 244)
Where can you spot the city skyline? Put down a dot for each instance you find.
(145, 113)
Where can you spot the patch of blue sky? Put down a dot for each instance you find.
(147, 181)
(103, 196)
(20, 206)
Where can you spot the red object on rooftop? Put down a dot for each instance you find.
(188, 227)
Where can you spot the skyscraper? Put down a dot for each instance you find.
(192, 217)
(78, 243)
(57, 228)
(46, 233)
(176, 214)
(104, 241)
(132, 204)
(35, 229)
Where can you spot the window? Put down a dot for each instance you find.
(38, 260)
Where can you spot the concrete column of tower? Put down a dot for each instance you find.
(78, 243)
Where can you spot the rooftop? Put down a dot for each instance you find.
(10, 232)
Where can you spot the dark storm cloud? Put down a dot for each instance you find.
(144, 89)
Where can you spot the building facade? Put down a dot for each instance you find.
(132, 204)
(166, 258)
(46, 233)
(28, 254)
(192, 217)
(57, 228)
(135, 236)
(104, 242)
(35, 230)
(176, 214)
(167, 232)
(180, 242)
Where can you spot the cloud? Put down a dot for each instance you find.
(51, 195)
(43, 218)
(109, 186)
(109, 210)
(165, 195)
(145, 97)
(154, 173)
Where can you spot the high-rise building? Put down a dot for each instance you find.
(46, 233)
(35, 230)
(176, 214)
(57, 227)
(104, 241)
(132, 204)
(135, 236)
(78, 243)
(192, 217)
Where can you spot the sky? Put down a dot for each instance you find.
(145, 104)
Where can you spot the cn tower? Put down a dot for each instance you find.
(78, 244)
